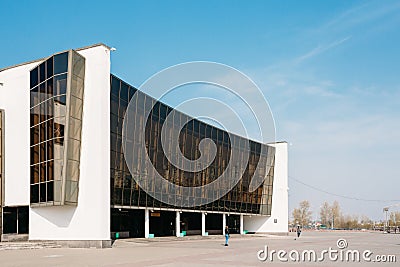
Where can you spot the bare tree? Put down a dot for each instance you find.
(335, 213)
(302, 215)
(330, 214)
(395, 218)
(325, 213)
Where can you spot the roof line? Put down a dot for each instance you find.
(93, 45)
(43, 58)
(22, 64)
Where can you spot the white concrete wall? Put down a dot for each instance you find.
(90, 219)
(279, 211)
(15, 100)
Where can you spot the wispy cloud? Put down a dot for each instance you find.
(361, 14)
(321, 49)
(343, 130)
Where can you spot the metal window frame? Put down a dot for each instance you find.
(62, 189)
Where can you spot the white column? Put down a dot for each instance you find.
(178, 224)
(203, 223)
(241, 224)
(223, 223)
(146, 223)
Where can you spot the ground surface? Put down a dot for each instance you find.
(207, 251)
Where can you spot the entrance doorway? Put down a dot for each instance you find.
(233, 222)
(191, 223)
(16, 220)
(214, 224)
(162, 223)
(127, 223)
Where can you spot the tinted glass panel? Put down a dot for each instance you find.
(34, 77)
(125, 190)
(49, 115)
(61, 63)
(60, 85)
(42, 72)
(49, 65)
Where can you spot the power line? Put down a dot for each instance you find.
(342, 196)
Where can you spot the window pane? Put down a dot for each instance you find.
(42, 92)
(35, 112)
(42, 172)
(35, 193)
(35, 174)
(42, 192)
(60, 85)
(34, 77)
(75, 127)
(35, 137)
(124, 91)
(115, 86)
(50, 150)
(76, 107)
(61, 63)
(59, 107)
(49, 88)
(78, 64)
(42, 72)
(34, 96)
(73, 170)
(50, 191)
(49, 67)
(43, 131)
(58, 169)
(74, 148)
(77, 86)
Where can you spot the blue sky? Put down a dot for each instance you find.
(329, 69)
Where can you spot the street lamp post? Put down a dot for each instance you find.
(386, 218)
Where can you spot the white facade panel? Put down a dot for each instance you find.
(278, 221)
(90, 219)
(15, 101)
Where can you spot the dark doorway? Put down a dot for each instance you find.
(214, 224)
(127, 223)
(16, 220)
(233, 222)
(162, 223)
(191, 223)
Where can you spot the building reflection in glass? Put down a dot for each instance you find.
(126, 192)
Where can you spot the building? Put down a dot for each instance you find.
(64, 176)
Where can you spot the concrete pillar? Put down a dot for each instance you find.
(223, 223)
(203, 223)
(178, 224)
(146, 223)
(241, 224)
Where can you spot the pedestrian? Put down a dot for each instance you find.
(298, 231)
(226, 235)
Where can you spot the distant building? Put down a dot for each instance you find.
(64, 177)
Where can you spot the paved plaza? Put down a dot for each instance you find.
(207, 251)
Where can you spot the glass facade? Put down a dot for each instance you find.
(126, 192)
(56, 103)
